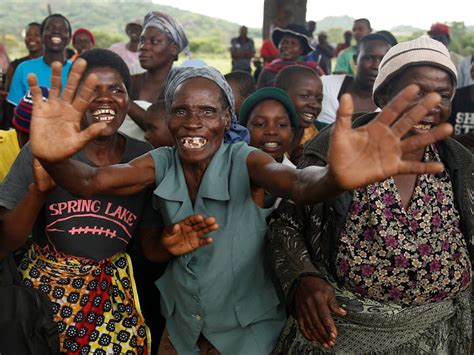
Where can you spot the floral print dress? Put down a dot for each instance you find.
(409, 257)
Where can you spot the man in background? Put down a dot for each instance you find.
(242, 49)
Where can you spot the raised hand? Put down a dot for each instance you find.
(375, 151)
(55, 132)
(43, 181)
(188, 234)
(314, 303)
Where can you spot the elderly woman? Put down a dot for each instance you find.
(293, 42)
(391, 260)
(220, 296)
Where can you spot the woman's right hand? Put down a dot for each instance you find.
(314, 303)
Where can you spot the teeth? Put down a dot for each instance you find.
(308, 116)
(271, 145)
(422, 126)
(56, 40)
(104, 115)
(193, 142)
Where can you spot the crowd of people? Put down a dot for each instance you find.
(125, 180)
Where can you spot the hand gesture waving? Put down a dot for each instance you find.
(188, 234)
(55, 132)
(374, 151)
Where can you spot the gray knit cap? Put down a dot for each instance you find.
(420, 51)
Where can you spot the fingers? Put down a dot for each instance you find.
(416, 114)
(344, 113)
(335, 308)
(398, 105)
(85, 94)
(35, 90)
(418, 141)
(56, 75)
(324, 312)
(74, 79)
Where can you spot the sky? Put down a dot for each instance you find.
(417, 13)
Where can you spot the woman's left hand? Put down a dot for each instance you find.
(188, 234)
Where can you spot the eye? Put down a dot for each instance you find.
(179, 112)
(304, 96)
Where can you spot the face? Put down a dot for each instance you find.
(322, 38)
(133, 31)
(440, 37)
(33, 39)
(360, 29)
(156, 129)
(156, 49)
(307, 96)
(429, 79)
(82, 42)
(290, 48)
(368, 61)
(109, 103)
(198, 120)
(238, 98)
(243, 31)
(56, 34)
(270, 129)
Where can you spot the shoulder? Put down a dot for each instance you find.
(332, 81)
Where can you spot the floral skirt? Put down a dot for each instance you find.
(95, 303)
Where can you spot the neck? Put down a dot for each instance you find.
(36, 54)
(105, 150)
(361, 90)
(50, 57)
(160, 74)
(132, 46)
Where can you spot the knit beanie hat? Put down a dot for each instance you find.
(420, 51)
(268, 93)
(22, 112)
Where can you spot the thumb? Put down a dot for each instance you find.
(92, 131)
(335, 308)
(344, 113)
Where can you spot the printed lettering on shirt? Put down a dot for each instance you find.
(464, 123)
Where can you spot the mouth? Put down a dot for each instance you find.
(422, 127)
(56, 40)
(32, 43)
(271, 145)
(308, 117)
(193, 142)
(104, 114)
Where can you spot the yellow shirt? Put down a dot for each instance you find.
(9, 149)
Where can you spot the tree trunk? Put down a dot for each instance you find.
(280, 13)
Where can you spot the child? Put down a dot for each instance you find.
(242, 85)
(156, 129)
(305, 89)
(271, 119)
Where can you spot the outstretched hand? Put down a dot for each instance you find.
(373, 152)
(55, 132)
(188, 234)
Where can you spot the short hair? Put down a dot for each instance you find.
(33, 24)
(285, 78)
(104, 58)
(157, 107)
(244, 82)
(43, 24)
(390, 37)
(364, 20)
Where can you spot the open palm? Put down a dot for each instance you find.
(375, 151)
(55, 132)
(188, 234)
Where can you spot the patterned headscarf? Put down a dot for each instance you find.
(178, 75)
(168, 25)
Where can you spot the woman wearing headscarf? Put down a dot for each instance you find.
(161, 41)
(220, 297)
(293, 42)
(385, 268)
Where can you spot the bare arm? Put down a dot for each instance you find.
(357, 157)
(121, 179)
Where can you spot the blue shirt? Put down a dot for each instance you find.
(37, 66)
(220, 290)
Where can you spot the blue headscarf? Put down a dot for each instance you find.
(176, 76)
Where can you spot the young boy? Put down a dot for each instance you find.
(305, 89)
(156, 129)
(271, 119)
